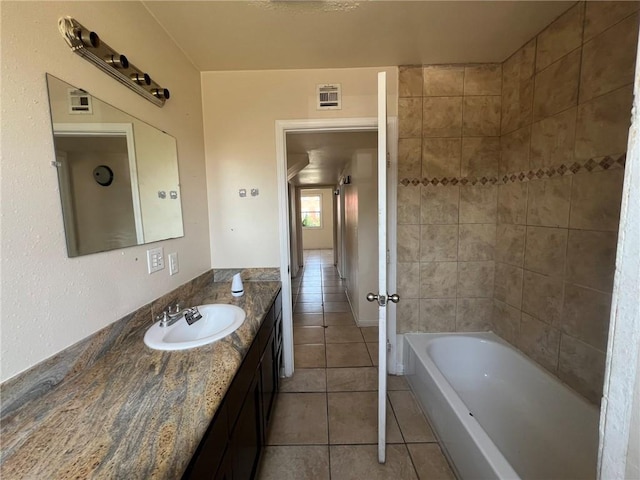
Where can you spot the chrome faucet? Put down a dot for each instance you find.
(172, 314)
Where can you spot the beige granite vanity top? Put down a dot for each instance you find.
(136, 413)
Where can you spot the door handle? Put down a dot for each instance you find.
(395, 298)
(381, 299)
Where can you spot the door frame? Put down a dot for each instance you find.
(318, 125)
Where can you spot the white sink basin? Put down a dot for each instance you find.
(218, 321)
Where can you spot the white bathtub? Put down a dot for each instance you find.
(497, 413)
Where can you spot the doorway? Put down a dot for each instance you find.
(326, 126)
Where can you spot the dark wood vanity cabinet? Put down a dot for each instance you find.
(231, 447)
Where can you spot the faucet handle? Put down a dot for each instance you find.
(176, 309)
(163, 318)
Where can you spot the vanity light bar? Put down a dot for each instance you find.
(88, 45)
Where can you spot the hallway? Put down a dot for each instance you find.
(325, 419)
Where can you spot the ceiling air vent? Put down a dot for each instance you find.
(329, 97)
(80, 102)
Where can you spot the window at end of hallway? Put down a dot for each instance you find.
(311, 210)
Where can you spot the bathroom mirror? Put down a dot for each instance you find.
(118, 176)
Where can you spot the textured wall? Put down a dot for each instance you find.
(240, 110)
(48, 300)
(449, 127)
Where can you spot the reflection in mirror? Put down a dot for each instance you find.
(118, 176)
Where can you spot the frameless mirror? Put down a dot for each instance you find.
(118, 176)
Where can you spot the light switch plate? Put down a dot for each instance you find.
(173, 263)
(155, 259)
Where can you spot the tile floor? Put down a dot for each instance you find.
(325, 421)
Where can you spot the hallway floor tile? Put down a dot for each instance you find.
(324, 423)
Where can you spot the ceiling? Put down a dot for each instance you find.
(284, 34)
(328, 154)
(281, 34)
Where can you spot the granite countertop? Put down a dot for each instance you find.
(137, 412)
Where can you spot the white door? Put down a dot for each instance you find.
(382, 297)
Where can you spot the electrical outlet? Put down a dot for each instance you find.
(155, 259)
(173, 263)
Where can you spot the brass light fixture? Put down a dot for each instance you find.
(88, 45)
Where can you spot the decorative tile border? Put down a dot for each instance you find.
(596, 164)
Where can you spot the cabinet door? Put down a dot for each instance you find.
(269, 381)
(208, 457)
(226, 467)
(247, 437)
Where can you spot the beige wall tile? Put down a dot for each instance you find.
(442, 117)
(548, 203)
(477, 242)
(595, 200)
(523, 61)
(409, 243)
(591, 258)
(409, 158)
(560, 37)
(540, 342)
(408, 205)
(480, 156)
(483, 79)
(556, 87)
(510, 244)
(602, 15)
(475, 279)
(545, 250)
(439, 243)
(478, 204)
(581, 367)
(517, 88)
(443, 80)
(603, 124)
(408, 280)
(517, 105)
(481, 116)
(585, 315)
(439, 204)
(408, 315)
(438, 279)
(474, 314)
(608, 60)
(542, 297)
(508, 284)
(438, 315)
(515, 151)
(441, 157)
(553, 140)
(409, 117)
(410, 81)
(512, 203)
(506, 321)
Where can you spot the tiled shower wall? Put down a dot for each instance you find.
(564, 117)
(449, 127)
